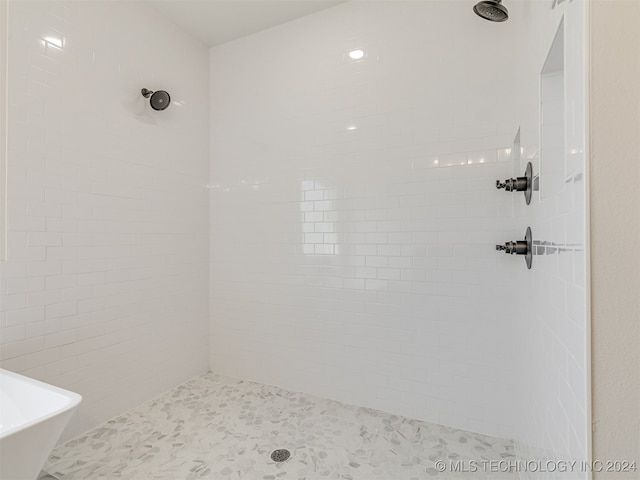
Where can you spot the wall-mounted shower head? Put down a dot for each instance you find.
(492, 10)
(159, 100)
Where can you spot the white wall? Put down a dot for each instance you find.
(3, 125)
(354, 214)
(105, 287)
(552, 326)
(615, 222)
(345, 262)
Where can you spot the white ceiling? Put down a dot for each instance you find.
(219, 21)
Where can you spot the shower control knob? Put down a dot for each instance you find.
(520, 247)
(520, 184)
(513, 184)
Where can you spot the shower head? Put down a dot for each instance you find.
(491, 10)
(159, 100)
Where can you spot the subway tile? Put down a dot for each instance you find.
(74, 168)
(361, 226)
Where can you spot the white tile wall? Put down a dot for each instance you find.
(552, 332)
(3, 125)
(354, 215)
(105, 287)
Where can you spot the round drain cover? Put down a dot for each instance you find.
(280, 455)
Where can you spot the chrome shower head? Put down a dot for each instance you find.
(491, 10)
(160, 100)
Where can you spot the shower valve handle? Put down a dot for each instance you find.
(518, 247)
(513, 184)
(520, 184)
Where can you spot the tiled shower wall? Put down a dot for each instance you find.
(105, 287)
(553, 414)
(354, 214)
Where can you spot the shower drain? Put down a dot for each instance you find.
(280, 455)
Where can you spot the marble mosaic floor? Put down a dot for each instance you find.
(215, 427)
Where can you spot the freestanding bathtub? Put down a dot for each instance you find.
(33, 415)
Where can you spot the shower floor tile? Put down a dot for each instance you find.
(215, 427)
